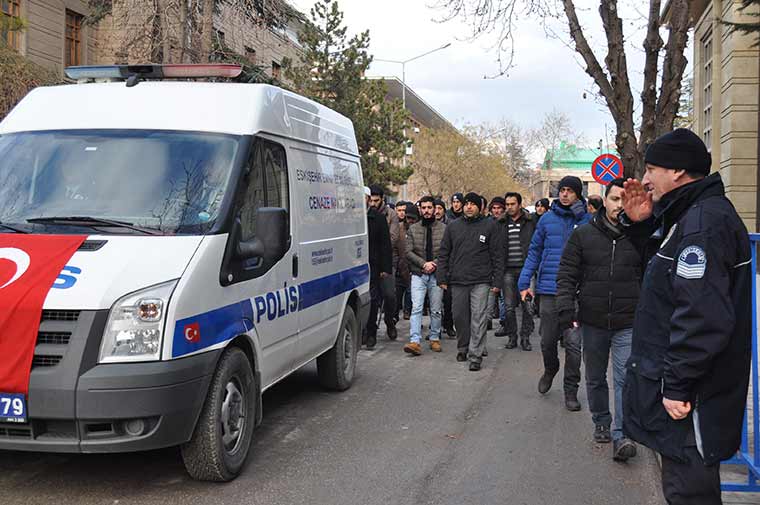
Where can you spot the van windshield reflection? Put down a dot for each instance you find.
(168, 181)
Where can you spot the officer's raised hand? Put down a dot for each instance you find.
(637, 201)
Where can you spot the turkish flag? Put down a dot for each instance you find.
(193, 333)
(29, 265)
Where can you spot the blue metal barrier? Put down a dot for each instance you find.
(749, 456)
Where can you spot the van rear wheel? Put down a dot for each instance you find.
(337, 366)
(222, 436)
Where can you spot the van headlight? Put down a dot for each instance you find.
(135, 326)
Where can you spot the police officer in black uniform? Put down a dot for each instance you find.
(687, 377)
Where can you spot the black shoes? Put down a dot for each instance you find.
(485, 352)
(392, 333)
(623, 449)
(511, 343)
(474, 366)
(451, 332)
(525, 344)
(545, 382)
(571, 401)
(371, 341)
(501, 332)
(461, 357)
(602, 434)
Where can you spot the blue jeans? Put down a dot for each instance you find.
(597, 343)
(425, 285)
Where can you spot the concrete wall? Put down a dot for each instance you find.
(734, 115)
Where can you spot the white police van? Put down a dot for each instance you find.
(226, 247)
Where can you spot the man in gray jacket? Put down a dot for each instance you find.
(470, 263)
(423, 242)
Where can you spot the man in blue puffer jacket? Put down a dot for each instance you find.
(552, 232)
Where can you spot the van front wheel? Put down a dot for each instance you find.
(337, 366)
(222, 436)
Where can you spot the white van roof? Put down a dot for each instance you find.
(240, 109)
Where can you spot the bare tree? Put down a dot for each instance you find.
(555, 129)
(664, 61)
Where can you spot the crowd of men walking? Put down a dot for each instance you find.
(654, 275)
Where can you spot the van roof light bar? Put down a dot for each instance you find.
(134, 73)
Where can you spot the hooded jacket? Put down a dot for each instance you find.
(601, 268)
(692, 336)
(472, 252)
(552, 232)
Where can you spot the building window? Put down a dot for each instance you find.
(11, 9)
(707, 78)
(250, 55)
(276, 70)
(73, 38)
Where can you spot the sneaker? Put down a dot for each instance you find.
(623, 449)
(413, 348)
(545, 382)
(474, 366)
(602, 434)
(511, 343)
(501, 332)
(571, 401)
(461, 357)
(435, 346)
(525, 344)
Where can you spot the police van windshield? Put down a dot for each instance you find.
(169, 181)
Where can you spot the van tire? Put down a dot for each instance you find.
(216, 451)
(337, 366)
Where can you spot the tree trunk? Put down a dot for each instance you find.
(207, 31)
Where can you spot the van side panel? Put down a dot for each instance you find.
(332, 240)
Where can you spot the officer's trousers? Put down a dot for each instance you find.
(690, 483)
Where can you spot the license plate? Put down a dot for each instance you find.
(12, 408)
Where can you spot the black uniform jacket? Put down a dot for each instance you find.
(602, 269)
(472, 252)
(693, 328)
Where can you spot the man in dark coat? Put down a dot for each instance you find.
(600, 272)
(687, 377)
(519, 227)
(388, 285)
(471, 263)
(380, 270)
(455, 212)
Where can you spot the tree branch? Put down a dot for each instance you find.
(652, 46)
(673, 67)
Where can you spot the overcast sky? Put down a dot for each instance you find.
(547, 74)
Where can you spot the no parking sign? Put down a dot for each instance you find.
(605, 168)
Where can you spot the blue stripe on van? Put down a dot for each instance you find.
(224, 323)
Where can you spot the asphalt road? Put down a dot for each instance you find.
(419, 430)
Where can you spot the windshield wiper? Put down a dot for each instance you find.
(10, 227)
(92, 221)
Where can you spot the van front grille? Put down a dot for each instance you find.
(53, 337)
(60, 315)
(41, 360)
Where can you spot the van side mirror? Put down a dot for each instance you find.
(272, 236)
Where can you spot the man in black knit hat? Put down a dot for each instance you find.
(687, 378)
(471, 263)
(455, 212)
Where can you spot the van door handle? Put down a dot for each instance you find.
(295, 265)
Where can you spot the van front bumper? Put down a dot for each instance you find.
(117, 407)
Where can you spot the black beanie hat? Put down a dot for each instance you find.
(457, 196)
(440, 202)
(475, 198)
(411, 211)
(498, 200)
(572, 182)
(680, 149)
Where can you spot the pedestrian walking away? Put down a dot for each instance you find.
(688, 374)
(423, 245)
(552, 232)
(471, 263)
(519, 227)
(600, 272)
(380, 269)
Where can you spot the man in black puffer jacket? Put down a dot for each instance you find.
(601, 270)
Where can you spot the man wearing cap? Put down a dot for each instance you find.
(471, 263)
(542, 207)
(448, 321)
(387, 284)
(552, 232)
(424, 242)
(455, 212)
(380, 266)
(440, 210)
(687, 378)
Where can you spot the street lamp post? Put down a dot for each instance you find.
(403, 87)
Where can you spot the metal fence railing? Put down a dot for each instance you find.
(748, 455)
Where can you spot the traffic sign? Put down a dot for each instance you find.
(605, 168)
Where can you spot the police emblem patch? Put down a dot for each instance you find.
(692, 263)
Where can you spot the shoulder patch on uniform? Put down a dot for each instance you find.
(692, 263)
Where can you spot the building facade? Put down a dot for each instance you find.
(726, 87)
(566, 160)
